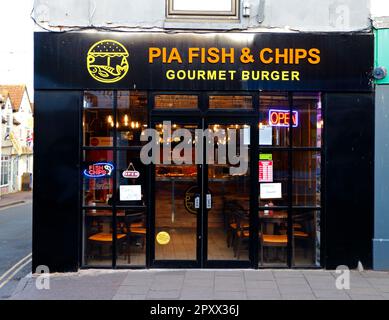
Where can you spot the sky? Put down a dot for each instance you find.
(16, 50)
(379, 8)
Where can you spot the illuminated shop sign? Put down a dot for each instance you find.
(99, 170)
(219, 61)
(281, 118)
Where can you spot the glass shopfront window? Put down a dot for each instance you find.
(306, 238)
(273, 168)
(306, 178)
(290, 139)
(273, 132)
(202, 205)
(230, 102)
(308, 131)
(98, 177)
(98, 237)
(175, 101)
(131, 117)
(114, 179)
(273, 237)
(98, 119)
(131, 177)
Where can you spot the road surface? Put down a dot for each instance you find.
(15, 246)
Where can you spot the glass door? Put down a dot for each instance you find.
(228, 199)
(177, 193)
(203, 194)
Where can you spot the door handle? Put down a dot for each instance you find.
(209, 201)
(197, 201)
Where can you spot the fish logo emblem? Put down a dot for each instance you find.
(107, 61)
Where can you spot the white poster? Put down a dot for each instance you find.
(130, 193)
(266, 135)
(271, 190)
(246, 136)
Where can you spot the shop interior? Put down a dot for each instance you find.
(128, 206)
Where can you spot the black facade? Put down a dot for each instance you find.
(339, 67)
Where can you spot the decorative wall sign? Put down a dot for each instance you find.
(99, 170)
(189, 200)
(192, 199)
(163, 238)
(131, 172)
(107, 61)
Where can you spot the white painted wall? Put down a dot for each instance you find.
(309, 15)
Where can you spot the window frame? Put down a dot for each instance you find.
(291, 207)
(234, 14)
(5, 170)
(116, 205)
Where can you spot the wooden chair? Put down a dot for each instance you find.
(102, 239)
(135, 228)
(300, 233)
(242, 232)
(273, 241)
(231, 210)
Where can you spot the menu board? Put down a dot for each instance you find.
(265, 171)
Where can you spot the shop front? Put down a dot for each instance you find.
(235, 150)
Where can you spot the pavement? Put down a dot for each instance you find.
(15, 247)
(11, 199)
(205, 285)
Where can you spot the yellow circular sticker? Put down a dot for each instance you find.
(107, 61)
(163, 238)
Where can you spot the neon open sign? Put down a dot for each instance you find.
(99, 170)
(281, 118)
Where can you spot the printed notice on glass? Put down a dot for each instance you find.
(265, 135)
(131, 193)
(271, 190)
(246, 136)
(265, 171)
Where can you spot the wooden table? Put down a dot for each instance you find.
(270, 220)
(104, 213)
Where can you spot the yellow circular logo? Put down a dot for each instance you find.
(107, 61)
(163, 238)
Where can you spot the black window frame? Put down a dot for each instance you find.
(115, 206)
(290, 207)
(206, 113)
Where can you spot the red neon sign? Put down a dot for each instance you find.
(281, 118)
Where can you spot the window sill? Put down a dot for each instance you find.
(206, 23)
